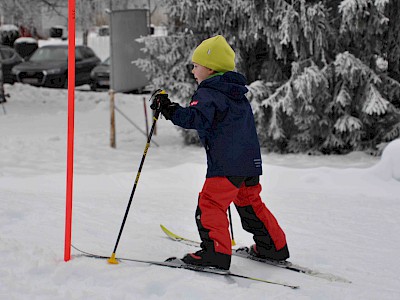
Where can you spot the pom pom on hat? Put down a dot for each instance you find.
(216, 54)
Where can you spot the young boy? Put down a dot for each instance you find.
(223, 118)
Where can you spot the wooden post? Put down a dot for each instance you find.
(112, 120)
(2, 93)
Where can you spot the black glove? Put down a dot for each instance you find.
(167, 108)
(160, 100)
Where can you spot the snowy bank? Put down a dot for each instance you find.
(389, 165)
(340, 213)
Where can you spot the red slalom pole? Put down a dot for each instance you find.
(70, 137)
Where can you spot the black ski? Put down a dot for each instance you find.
(176, 263)
(244, 253)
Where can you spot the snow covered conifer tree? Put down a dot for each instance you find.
(349, 104)
(315, 85)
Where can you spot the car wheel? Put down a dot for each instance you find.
(93, 86)
(64, 82)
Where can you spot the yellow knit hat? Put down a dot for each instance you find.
(215, 54)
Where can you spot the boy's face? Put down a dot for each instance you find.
(200, 72)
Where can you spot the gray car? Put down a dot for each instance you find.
(100, 76)
(48, 66)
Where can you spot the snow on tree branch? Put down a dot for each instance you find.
(348, 123)
(375, 103)
(353, 70)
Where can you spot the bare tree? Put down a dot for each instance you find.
(28, 13)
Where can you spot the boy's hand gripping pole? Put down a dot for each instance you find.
(156, 105)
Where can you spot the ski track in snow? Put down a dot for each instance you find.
(339, 213)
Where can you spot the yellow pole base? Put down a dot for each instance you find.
(233, 243)
(112, 260)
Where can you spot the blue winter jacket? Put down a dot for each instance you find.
(223, 118)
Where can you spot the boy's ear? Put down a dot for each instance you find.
(211, 71)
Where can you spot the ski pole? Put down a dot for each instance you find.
(112, 259)
(230, 222)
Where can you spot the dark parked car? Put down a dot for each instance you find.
(25, 46)
(100, 76)
(48, 66)
(9, 58)
(104, 30)
(8, 34)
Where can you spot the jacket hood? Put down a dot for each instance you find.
(232, 84)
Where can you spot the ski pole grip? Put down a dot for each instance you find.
(156, 104)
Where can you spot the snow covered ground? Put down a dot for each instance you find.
(340, 213)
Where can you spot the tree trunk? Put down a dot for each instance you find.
(85, 37)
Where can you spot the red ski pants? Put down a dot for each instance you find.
(211, 216)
